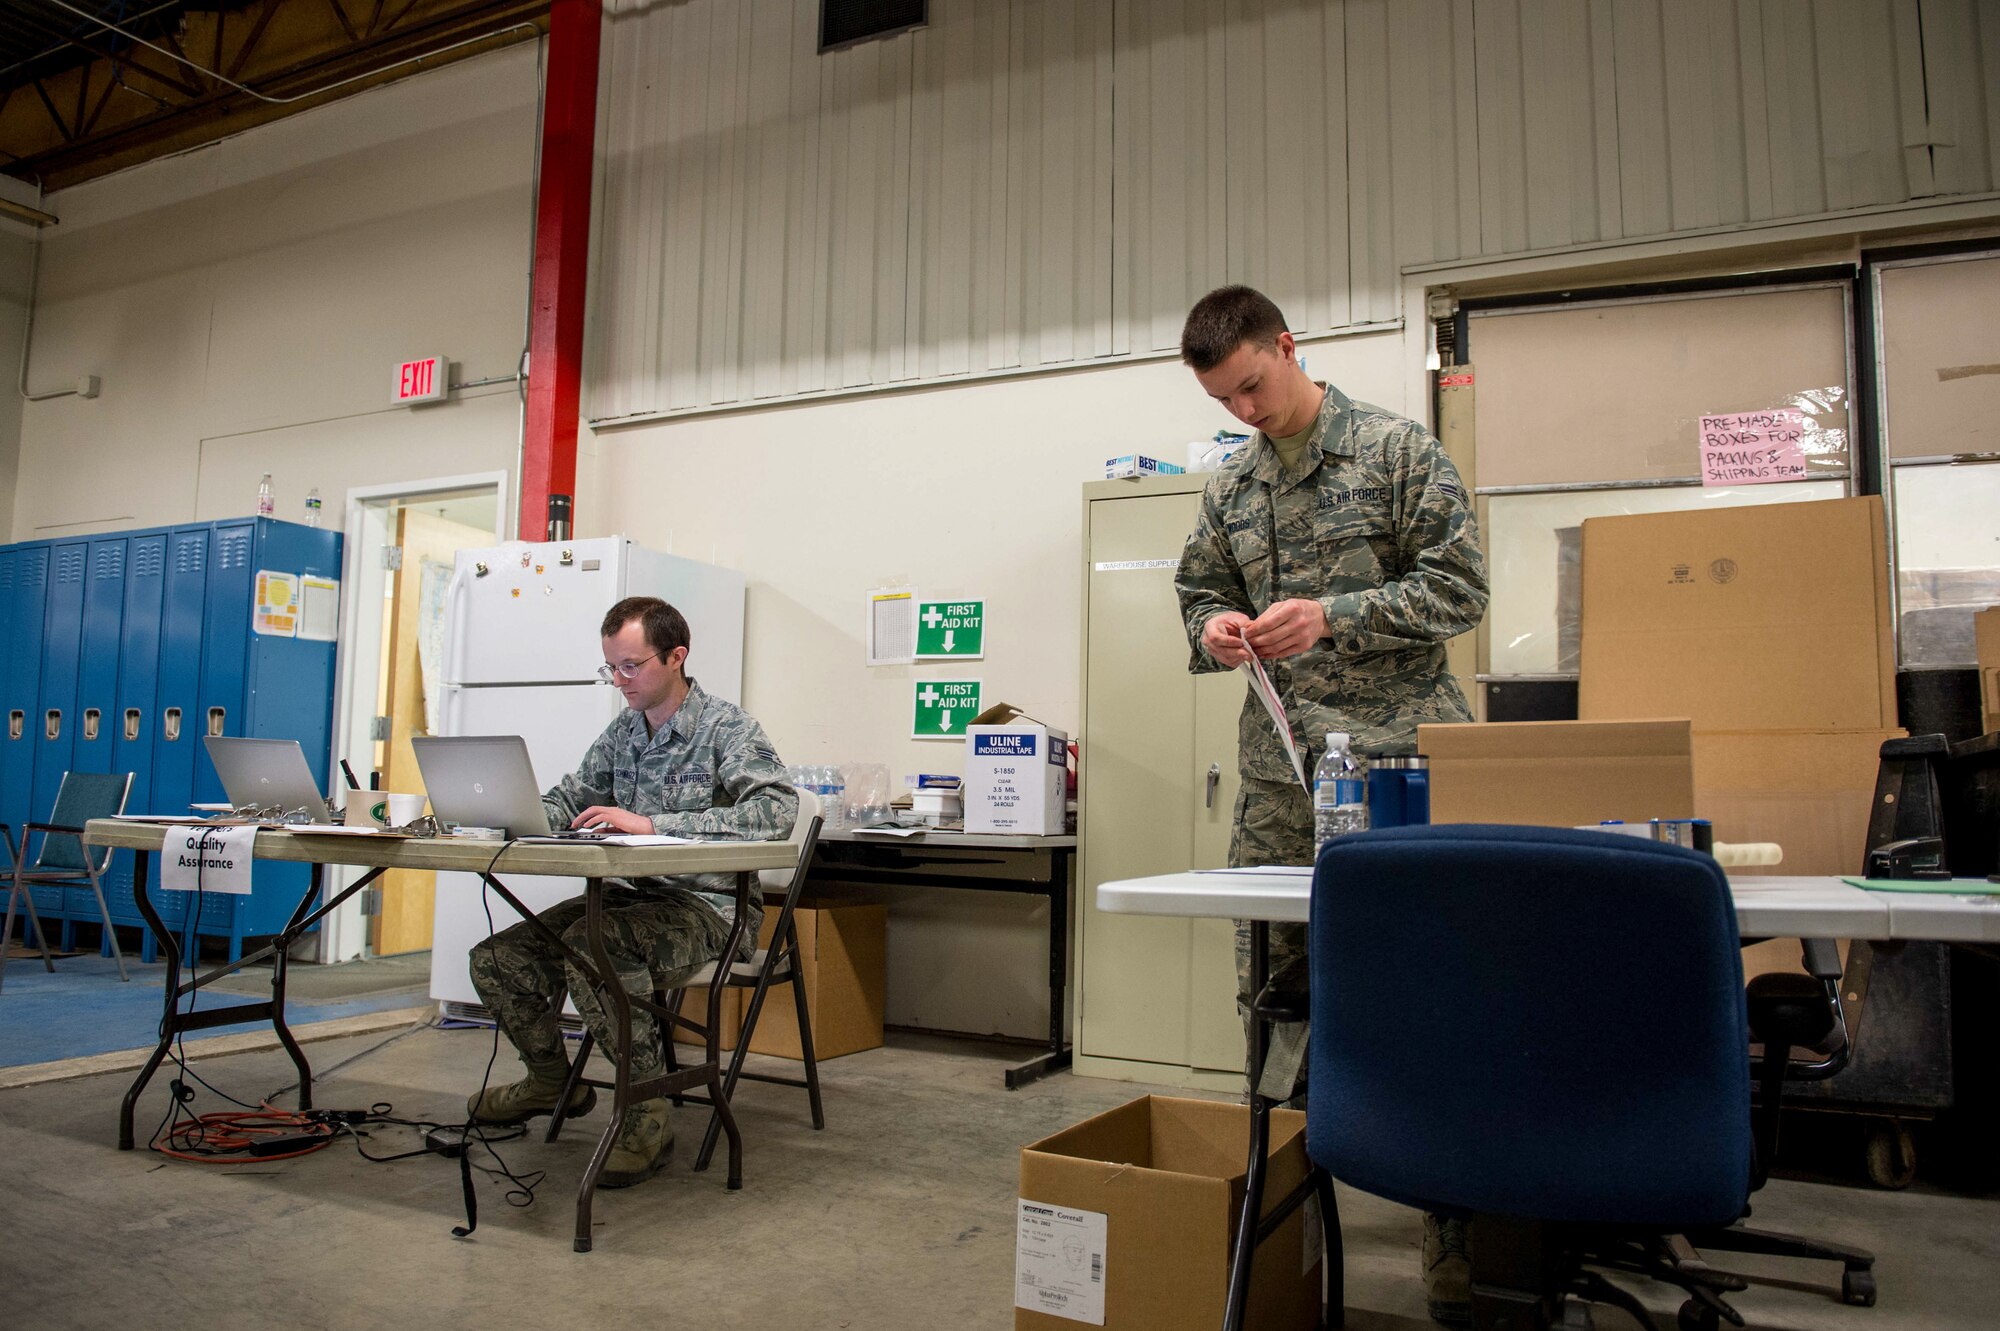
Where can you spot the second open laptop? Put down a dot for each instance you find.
(482, 781)
(266, 773)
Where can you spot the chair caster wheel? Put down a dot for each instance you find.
(1857, 1288)
(1696, 1316)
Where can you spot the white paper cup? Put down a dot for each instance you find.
(379, 808)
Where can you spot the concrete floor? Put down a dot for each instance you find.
(899, 1215)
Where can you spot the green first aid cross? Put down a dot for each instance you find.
(951, 629)
(944, 708)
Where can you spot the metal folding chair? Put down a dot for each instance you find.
(63, 860)
(768, 966)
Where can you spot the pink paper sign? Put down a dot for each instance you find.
(1753, 447)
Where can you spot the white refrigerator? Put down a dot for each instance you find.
(521, 654)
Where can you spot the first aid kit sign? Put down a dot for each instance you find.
(944, 708)
(951, 630)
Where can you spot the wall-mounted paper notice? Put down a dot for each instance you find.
(892, 626)
(1753, 447)
(319, 608)
(277, 604)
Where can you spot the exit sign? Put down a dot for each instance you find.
(424, 380)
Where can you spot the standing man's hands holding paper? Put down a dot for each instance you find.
(1222, 638)
(1287, 628)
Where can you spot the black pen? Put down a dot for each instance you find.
(348, 772)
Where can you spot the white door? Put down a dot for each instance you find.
(533, 616)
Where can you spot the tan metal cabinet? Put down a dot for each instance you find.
(1155, 997)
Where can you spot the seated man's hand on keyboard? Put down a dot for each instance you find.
(608, 818)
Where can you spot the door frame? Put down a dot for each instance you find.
(343, 935)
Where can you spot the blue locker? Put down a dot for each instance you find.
(176, 732)
(97, 686)
(24, 576)
(55, 716)
(133, 718)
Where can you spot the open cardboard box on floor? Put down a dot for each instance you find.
(1126, 1221)
(842, 947)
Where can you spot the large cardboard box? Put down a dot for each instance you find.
(842, 951)
(1810, 791)
(1986, 634)
(1559, 773)
(1769, 617)
(842, 946)
(1126, 1221)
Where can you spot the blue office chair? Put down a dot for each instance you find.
(62, 860)
(1543, 1031)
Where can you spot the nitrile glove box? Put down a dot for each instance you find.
(1014, 776)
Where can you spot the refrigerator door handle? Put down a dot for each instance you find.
(454, 619)
(452, 697)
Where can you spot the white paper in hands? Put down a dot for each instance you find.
(1260, 685)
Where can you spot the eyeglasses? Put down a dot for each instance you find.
(611, 674)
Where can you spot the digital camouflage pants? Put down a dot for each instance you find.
(521, 976)
(1274, 825)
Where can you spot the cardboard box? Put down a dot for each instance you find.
(1146, 1197)
(842, 952)
(1811, 791)
(1986, 635)
(842, 947)
(1559, 773)
(1770, 617)
(1138, 464)
(1014, 778)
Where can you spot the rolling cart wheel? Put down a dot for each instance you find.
(1857, 1288)
(1695, 1316)
(1892, 1155)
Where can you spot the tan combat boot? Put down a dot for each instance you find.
(1447, 1271)
(640, 1148)
(533, 1096)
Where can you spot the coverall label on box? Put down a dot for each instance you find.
(1059, 1261)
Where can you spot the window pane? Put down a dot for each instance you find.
(1947, 559)
(1534, 542)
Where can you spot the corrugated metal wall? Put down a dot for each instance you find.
(1032, 183)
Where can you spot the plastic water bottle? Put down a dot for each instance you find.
(833, 800)
(266, 506)
(1339, 792)
(312, 507)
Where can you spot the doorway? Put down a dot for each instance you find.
(402, 544)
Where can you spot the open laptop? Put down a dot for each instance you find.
(265, 772)
(482, 781)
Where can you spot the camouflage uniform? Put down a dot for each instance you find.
(710, 773)
(1375, 525)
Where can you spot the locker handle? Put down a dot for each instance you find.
(131, 723)
(52, 723)
(92, 717)
(218, 717)
(170, 724)
(1214, 780)
(17, 723)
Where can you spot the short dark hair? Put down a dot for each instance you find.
(1224, 320)
(666, 627)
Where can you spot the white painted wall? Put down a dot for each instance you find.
(244, 303)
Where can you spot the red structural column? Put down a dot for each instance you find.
(562, 254)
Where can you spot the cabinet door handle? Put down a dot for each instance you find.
(1214, 780)
(52, 723)
(131, 723)
(17, 723)
(170, 724)
(92, 718)
(218, 718)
